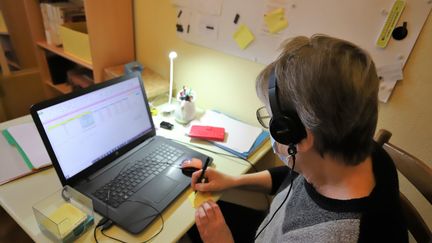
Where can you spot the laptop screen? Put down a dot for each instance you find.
(85, 129)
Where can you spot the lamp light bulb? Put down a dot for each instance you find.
(172, 55)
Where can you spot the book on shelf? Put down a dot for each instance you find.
(24, 152)
(241, 139)
(58, 13)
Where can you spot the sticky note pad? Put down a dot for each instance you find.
(199, 198)
(64, 219)
(243, 36)
(275, 20)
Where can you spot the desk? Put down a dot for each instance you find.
(17, 197)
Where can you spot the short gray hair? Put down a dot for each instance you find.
(333, 86)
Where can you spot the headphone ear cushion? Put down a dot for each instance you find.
(286, 130)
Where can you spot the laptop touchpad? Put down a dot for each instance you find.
(157, 189)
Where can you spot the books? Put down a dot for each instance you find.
(58, 13)
(25, 152)
(241, 139)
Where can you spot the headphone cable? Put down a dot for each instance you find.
(283, 202)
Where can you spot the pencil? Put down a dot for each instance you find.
(201, 177)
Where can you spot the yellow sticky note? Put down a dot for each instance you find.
(243, 36)
(199, 198)
(64, 219)
(275, 20)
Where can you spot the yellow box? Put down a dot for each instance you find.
(76, 40)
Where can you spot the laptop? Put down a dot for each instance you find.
(102, 142)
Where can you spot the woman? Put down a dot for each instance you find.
(337, 185)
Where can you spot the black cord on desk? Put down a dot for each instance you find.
(106, 223)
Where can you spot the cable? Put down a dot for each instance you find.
(286, 197)
(108, 223)
(99, 224)
(158, 213)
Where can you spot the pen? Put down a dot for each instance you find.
(201, 177)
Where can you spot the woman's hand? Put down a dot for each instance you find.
(216, 181)
(211, 224)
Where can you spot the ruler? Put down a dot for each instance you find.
(390, 23)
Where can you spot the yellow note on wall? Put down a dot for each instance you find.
(243, 36)
(275, 20)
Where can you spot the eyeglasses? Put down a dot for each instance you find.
(263, 117)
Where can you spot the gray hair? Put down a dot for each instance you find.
(333, 86)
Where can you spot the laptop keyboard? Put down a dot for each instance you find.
(142, 171)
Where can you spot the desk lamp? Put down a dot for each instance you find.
(170, 107)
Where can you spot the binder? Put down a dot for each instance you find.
(24, 150)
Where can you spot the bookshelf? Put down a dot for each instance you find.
(110, 30)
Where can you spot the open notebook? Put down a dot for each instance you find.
(24, 154)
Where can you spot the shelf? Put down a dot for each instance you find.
(62, 88)
(61, 52)
(13, 64)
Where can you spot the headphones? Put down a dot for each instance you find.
(285, 127)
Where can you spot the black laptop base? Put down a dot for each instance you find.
(147, 203)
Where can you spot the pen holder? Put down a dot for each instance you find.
(186, 110)
(65, 215)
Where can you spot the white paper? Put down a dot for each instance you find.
(212, 7)
(180, 3)
(385, 89)
(239, 136)
(28, 138)
(184, 19)
(208, 26)
(389, 75)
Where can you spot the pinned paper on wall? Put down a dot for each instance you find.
(180, 3)
(275, 20)
(208, 26)
(243, 36)
(183, 25)
(212, 7)
(389, 75)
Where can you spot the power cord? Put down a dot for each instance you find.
(106, 223)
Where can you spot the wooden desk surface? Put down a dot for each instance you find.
(17, 197)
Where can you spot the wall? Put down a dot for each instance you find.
(226, 83)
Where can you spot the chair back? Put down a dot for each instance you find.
(420, 175)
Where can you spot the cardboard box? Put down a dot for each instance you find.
(76, 40)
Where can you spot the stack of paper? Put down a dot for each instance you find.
(241, 139)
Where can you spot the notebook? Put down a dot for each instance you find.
(102, 142)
